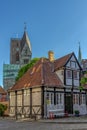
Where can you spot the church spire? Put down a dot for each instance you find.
(25, 38)
(79, 54)
(25, 27)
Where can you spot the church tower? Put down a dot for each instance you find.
(20, 55)
(25, 49)
(20, 50)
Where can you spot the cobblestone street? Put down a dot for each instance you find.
(8, 124)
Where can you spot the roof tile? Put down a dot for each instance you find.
(40, 74)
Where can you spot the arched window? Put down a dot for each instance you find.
(17, 56)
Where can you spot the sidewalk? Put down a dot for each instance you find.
(62, 120)
(67, 120)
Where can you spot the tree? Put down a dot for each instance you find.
(83, 81)
(25, 68)
(2, 109)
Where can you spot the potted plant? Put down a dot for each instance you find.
(77, 113)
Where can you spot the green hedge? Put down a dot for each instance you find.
(2, 109)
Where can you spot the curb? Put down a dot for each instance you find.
(61, 122)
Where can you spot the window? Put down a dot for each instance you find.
(69, 74)
(80, 98)
(26, 61)
(51, 98)
(73, 64)
(57, 99)
(60, 98)
(83, 101)
(17, 44)
(75, 75)
(47, 96)
(75, 99)
(17, 56)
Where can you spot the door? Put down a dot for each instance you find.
(68, 103)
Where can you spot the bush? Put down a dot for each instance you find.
(76, 111)
(24, 69)
(2, 109)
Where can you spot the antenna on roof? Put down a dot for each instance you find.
(25, 26)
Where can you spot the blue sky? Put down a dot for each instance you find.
(56, 25)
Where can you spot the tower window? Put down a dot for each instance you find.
(17, 44)
(17, 56)
(26, 61)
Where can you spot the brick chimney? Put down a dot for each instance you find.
(51, 55)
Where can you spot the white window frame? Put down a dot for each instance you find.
(68, 74)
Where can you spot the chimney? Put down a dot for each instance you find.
(51, 55)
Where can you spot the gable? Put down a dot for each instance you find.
(73, 63)
(25, 40)
(25, 50)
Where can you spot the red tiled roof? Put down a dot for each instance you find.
(2, 91)
(62, 61)
(40, 74)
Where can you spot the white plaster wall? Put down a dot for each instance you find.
(19, 98)
(82, 108)
(36, 96)
(26, 97)
(12, 98)
(60, 74)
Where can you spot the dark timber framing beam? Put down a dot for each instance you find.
(16, 104)
(30, 101)
(42, 101)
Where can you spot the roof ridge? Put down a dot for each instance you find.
(64, 56)
(42, 75)
(61, 62)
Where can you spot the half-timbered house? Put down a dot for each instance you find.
(50, 86)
